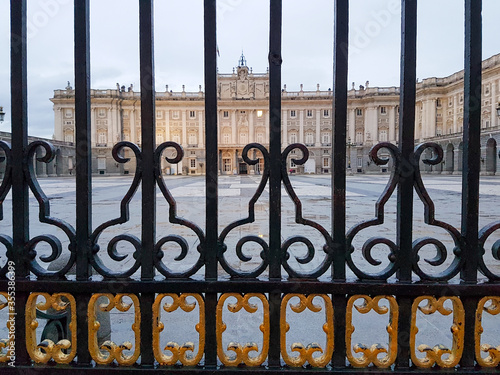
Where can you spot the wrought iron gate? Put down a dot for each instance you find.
(275, 285)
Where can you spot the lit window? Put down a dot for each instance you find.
(326, 162)
(259, 113)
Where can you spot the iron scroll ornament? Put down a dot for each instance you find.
(44, 217)
(174, 219)
(484, 234)
(369, 244)
(250, 219)
(299, 219)
(429, 218)
(123, 218)
(4, 190)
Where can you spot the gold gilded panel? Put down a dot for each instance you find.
(306, 352)
(7, 343)
(435, 354)
(493, 358)
(242, 352)
(370, 354)
(109, 351)
(178, 353)
(47, 349)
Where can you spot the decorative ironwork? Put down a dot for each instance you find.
(394, 179)
(47, 349)
(306, 352)
(173, 218)
(44, 217)
(7, 343)
(370, 354)
(250, 219)
(429, 219)
(493, 358)
(123, 218)
(435, 354)
(299, 219)
(5, 187)
(484, 234)
(178, 353)
(242, 352)
(109, 351)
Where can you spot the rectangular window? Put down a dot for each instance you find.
(192, 138)
(326, 113)
(192, 114)
(225, 138)
(102, 112)
(438, 102)
(293, 113)
(382, 136)
(227, 164)
(225, 114)
(383, 110)
(309, 113)
(293, 137)
(309, 138)
(175, 114)
(159, 114)
(193, 163)
(101, 163)
(359, 112)
(359, 137)
(260, 137)
(325, 138)
(68, 113)
(326, 162)
(360, 161)
(259, 113)
(159, 138)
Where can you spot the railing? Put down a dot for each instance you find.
(278, 282)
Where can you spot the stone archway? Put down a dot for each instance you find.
(491, 156)
(449, 160)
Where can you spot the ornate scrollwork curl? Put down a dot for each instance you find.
(123, 218)
(435, 354)
(47, 349)
(299, 219)
(429, 218)
(250, 219)
(493, 357)
(5, 187)
(114, 351)
(305, 353)
(370, 354)
(174, 219)
(242, 352)
(391, 268)
(44, 216)
(484, 234)
(182, 353)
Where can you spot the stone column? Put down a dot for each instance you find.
(301, 126)
(455, 114)
(92, 128)
(493, 95)
(184, 129)
(392, 125)
(251, 130)
(371, 125)
(132, 125)
(167, 125)
(58, 131)
(201, 134)
(318, 128)
(284, 134)
(233, 128)
(236, 163)
(266, 126)
(352, 125)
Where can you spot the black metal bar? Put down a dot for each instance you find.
(83, 168)
(211, 178)
(340, 66)
(146, 25)
(20, 204)
(470, 168)
(407, 168)
(275, 61)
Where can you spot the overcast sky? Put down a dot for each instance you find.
(242, 25)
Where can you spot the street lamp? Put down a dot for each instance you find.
(349, 144)
(2, 115)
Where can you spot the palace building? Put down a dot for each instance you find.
(243, 104)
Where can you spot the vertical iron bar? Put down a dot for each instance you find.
(211, 220)
(406, 172)
(471, 167)
(83, 168)
(340, 66)
(20, 204)
(146, 25)
(275, 61)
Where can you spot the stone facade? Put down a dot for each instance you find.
(243, 116)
